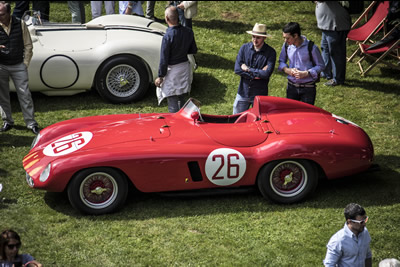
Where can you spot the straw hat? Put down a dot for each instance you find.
(259, 30)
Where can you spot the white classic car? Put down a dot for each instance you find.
(116, 54)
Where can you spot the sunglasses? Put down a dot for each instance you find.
(360, 222)
(12, 246)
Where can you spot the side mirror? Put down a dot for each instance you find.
(195, 116)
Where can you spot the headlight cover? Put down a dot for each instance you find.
(343, 120)
(45, 173)
(35, 140)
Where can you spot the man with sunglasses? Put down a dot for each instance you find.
(254, 64)
(350, 245)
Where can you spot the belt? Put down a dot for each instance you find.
(301, 84)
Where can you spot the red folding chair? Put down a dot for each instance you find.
(389, 49)
(364, 33)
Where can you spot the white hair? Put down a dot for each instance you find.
(389, 263)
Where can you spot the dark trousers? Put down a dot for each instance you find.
(303, 94)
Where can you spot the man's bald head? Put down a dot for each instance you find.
(171, 15)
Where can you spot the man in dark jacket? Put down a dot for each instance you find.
(15, 55)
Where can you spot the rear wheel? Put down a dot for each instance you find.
(287, 181)
(122, 79)
(98, 190)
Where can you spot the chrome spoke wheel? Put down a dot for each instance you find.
(98, 190)
(288, 178)
(123, 80)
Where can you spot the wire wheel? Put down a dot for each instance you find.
(287, 181)
(123, 80)
(98, 190)
(288, 178)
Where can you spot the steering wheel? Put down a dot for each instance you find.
(241, 118)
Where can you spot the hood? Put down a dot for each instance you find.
(105, 134)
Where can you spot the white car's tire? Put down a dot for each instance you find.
(122, 79)
(98, 190)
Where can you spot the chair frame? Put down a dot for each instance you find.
(389, 51)
(364, 15)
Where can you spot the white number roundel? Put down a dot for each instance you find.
(68, 144)
(225, 166)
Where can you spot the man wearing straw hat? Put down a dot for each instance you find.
(255, 63)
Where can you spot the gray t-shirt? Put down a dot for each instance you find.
(332, 16)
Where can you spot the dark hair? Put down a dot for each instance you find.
(8, 6)
(292, 28)
(5, 238)
(353, 210)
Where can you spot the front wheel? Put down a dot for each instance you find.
(122, 79)
(287, 181)
(98, 190)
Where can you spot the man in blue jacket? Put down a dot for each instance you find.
(254, 64)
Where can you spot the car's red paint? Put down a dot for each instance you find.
(154, 151)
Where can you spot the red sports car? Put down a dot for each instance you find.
(280, 145)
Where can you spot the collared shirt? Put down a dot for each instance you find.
(177, 43)
(345, 249)
(299, 58)
(255, 81)
(28, 47)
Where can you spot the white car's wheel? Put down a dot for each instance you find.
(122, 79)
(98, 190)
(287, 181)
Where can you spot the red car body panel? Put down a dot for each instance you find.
(155, 150)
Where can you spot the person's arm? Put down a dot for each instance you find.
(33, 264)
(283, 58)
(28, 47)
(333, 253)
(240, 64)
(264, 72)
(319, 63)
(193, 47)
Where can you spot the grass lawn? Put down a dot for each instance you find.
(224, 230)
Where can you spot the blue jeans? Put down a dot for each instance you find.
(242, 103)
(303, 94)
(176, 102)
(333, 51)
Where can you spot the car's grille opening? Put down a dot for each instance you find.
(195, 172)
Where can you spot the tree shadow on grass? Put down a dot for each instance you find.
(231, 27)
(390, 88)
(214, 62)
(13, 140)
(369, 189)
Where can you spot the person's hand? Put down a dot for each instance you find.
(244, 67)
(290, 71)
(33, 264)
(266, 67)
(298, 74)
(128, 10)
(158, 81)
(2, 46)
(181, 6)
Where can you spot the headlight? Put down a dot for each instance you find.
(45, 174)
(35, 140)
(29, 180)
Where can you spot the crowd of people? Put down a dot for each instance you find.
(300, 59)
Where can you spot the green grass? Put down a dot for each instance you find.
(227, 230)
